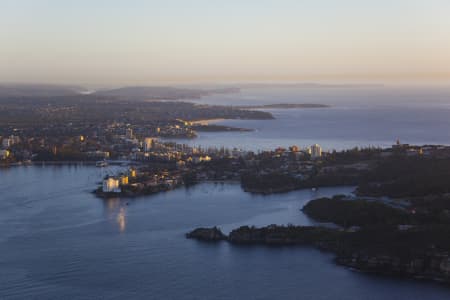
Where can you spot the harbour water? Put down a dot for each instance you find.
(57, 241)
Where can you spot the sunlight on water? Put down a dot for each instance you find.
(121, 220)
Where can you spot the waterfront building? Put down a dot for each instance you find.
(111, 185)
(98, 154)
(124, 180)
(4, 154)
(316, 151)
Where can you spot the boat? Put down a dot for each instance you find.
(101, 164)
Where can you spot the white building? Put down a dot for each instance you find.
(129, 134)
(316, 151)
(111, 185)
(6, 143)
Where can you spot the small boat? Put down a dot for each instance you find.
(101, 164)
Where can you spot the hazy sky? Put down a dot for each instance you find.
(154, 41)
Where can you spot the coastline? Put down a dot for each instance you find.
(347, 246)
(207, 121)
(64, 163)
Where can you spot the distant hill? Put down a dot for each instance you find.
(38, 90)
(307, 85)
(284, 106)
(161, 92)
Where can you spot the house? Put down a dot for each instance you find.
(4, 154)
(111, 185)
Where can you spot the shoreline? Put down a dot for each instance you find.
(430, 265)
(65, 163)
(132, 195)
(207, 121)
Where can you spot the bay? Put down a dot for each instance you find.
(57, 241)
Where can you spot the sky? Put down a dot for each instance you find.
(143, 42)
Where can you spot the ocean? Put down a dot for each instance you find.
(357, 117)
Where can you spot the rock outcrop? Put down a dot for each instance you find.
(207, 234)
(361, 250)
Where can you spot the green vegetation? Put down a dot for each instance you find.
(355, 212)
(401, 176)
(269, 183)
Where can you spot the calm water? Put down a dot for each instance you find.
(357, 117)
(57, 241)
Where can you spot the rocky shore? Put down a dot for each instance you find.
(207, 234)
(360, 250)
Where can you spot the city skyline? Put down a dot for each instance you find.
(171, 42)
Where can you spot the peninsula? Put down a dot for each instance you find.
(371, 236)
(397, 223)
(284, 106)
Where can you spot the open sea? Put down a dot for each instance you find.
(357, 117)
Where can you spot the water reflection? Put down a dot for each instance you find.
(121, 220)
(116, 210)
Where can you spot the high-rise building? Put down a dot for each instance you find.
(6, 143)
(129, 133)
(316, 151)
(149, 144)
